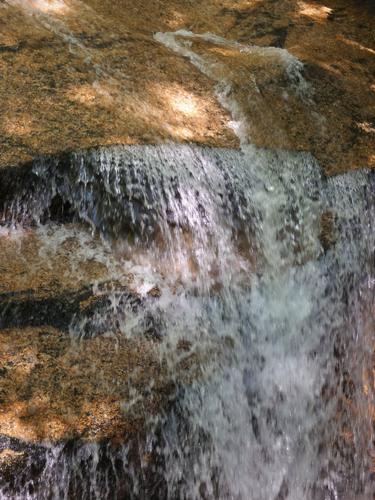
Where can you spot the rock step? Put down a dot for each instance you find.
(102, 384)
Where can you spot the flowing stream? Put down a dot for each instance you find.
(283, 327)
(275, 302)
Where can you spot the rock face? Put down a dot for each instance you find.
(53, 390)
(45, 388)
(54, 386)
(75, 78)
(70, 390)
(76, 74)
(83, 73)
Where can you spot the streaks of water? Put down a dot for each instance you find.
(231, 239)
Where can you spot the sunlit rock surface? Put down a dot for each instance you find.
(81, 73)
(55, 281)
(53, 390)
(239, 272)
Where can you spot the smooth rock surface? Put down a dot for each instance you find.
(83, 73)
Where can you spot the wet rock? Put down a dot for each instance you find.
(27, 310)
(122, 194)
(336, 44)
(66, 310)
(279, 103)
(79, 75)
(54, 389)
(76, 468)
(328, 231)
(154, 292)
(11, 463)
(84, 78)
(86, 408)
(73, 385)
(54, 261)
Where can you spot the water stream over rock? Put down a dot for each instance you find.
(263, 270)
(183, 322)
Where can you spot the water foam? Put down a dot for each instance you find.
(232, 240)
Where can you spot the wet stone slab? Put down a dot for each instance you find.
(81, 73)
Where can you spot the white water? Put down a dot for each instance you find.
(231, 238)
(180, 42)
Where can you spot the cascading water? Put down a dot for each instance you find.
(279, 323)
(281, 327)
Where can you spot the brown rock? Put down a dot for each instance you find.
(74, 78)
(76, 74)
(11, 462)
(54, 388)
(84, 390)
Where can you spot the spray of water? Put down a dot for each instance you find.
(282, 325)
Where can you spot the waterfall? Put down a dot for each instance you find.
(278, 317)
